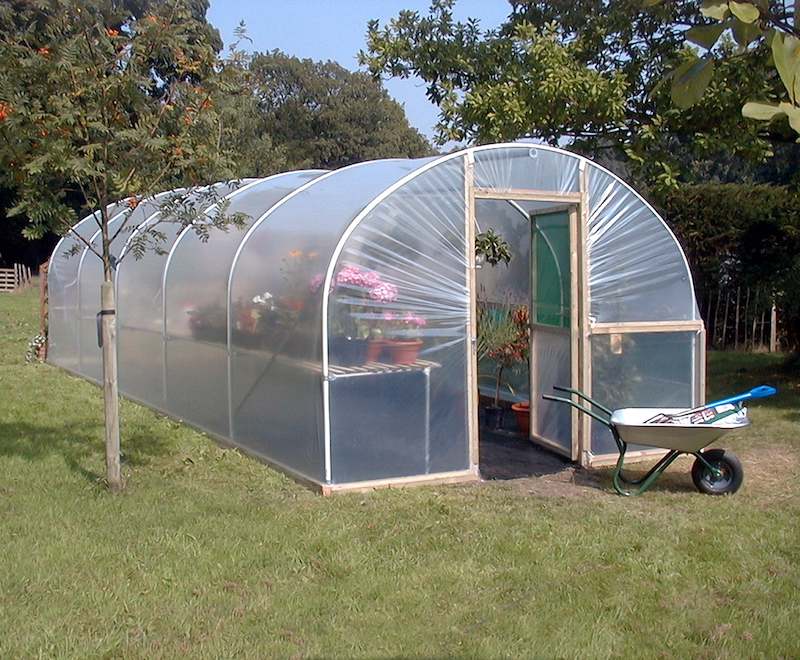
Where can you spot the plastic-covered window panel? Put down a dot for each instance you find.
(63, 286)
(527, 167)
(401, 277)
(552, 293)
(552, 366)
(275, 294)
(646, 369)
(637, 271)
(140, 317)
(196, 306)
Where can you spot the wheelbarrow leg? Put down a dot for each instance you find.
(648, 479)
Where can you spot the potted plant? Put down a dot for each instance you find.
(358, 292)
(502, 338)
(406, 342)
(376, 345)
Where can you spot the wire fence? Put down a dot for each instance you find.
(741, 318)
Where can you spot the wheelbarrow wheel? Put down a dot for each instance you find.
(728, 479)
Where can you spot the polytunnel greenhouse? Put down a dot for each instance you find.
(335, 335)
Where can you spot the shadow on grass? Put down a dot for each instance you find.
(733, 372)
(79, 445)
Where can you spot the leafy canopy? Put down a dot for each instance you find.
(589, 72)
(753, 25)
(104, 101)
(319, 114)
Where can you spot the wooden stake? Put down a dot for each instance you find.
(725, 320)
(773, 329)
(736, 327)
(43, 303)
(746, 307)
(110, 385)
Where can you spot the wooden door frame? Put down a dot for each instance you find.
(579, 321)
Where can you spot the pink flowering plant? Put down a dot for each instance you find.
(362, 294)
(405, 325)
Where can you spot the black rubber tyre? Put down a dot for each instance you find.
(726, 462)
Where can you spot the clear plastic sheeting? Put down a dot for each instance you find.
(551, 360)
(399, 306)
(643, 369)
(140, 313)
(637, 271)
(276, 364)
(63, 281)
(527, 167)
(196, 306)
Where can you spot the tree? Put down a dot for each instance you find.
(587, 72)
(754, 25)
(322, 115)
(106, 101)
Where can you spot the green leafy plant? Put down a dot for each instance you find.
(503, 337)
(492, 247)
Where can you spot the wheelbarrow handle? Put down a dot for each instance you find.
(583, 409)
(581, 395)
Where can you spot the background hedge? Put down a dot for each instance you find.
(741, 237)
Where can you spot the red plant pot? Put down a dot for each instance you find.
(375, 349)
(404, 351)
(522, 411)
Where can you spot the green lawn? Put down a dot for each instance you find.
(211, 554)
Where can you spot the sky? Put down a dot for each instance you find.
(336, 29)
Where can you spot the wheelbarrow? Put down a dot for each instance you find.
(679, 431)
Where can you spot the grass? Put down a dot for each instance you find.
(210, 554)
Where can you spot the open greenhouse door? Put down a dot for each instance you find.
(554, 336)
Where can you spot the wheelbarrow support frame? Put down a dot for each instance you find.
(604, 417)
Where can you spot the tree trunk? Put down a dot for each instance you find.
(497, 386)
(108, 321)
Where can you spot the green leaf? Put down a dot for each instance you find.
(768, 112)
(705, 35)
(690, 81)
(745, 33)
(760, 111)
(786, 53)
(744, 11)
(716, 9)
(793, 113)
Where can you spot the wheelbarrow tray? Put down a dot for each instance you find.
(633, 428)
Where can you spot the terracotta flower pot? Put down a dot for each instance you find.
(375, 349)
(522, 411)
(404, 351)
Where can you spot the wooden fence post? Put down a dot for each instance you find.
(725, 320)
(773, 329)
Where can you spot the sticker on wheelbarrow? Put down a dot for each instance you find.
(708, 415)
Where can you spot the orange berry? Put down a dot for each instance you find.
(132, 202)
(111, 32)
(43, 51)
